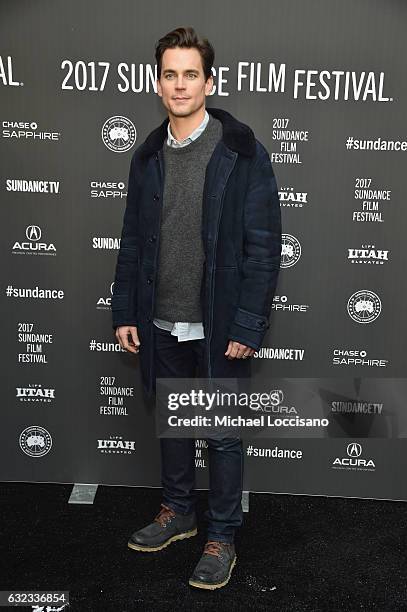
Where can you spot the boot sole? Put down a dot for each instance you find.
(204, 585)
(179, 536)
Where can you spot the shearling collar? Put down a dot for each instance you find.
(236, 135)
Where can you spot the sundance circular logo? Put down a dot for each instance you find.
(290, 251)
(364, 306)
(35, 441)
(119, 134)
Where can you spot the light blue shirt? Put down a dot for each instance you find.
(184, 330)
(172, 142)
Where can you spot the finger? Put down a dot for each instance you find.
(233, 351)
(118, 338)
(135, 338)
(241, 351)
(229, 348)
(247, 352)
(126, 345)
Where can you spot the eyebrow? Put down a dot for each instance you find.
(187, 70)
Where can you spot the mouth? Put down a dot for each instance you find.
(181, 99)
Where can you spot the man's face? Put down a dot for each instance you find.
(182, 84)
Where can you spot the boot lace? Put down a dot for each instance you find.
(213, 548)
(165, 515)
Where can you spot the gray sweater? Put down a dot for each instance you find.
(181, 253)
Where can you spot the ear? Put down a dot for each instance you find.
(158, 86)
(209, 86)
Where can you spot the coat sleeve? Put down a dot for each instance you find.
(262, 253)
(124, 298)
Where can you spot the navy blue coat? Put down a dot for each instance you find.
(241, 234)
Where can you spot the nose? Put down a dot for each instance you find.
(180, 82)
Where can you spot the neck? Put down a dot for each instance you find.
(182, 127)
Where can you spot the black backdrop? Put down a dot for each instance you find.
(322, 84)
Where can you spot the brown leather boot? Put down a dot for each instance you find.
(215, 566)
(168, 526)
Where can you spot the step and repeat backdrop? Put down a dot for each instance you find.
(323, 87)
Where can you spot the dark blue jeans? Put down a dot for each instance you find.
(186, 359)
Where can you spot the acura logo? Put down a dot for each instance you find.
(354, 449)
(276, 397)
(33, 232)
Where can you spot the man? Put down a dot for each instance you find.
(195, 279)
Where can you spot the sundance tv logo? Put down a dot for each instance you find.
(354, 460)
(100, 242)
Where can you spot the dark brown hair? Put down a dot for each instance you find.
(188, 38)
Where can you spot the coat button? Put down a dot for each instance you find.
(261, 323)
(153, 238)
(156, 196)
(149, 280)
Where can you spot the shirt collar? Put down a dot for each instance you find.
(171, 141)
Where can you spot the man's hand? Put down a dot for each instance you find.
(122, 334)
(238, 351)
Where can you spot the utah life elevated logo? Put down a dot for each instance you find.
(354, 461)
(116, 445)
(292, 199)
(368, 254)
(35, 393)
